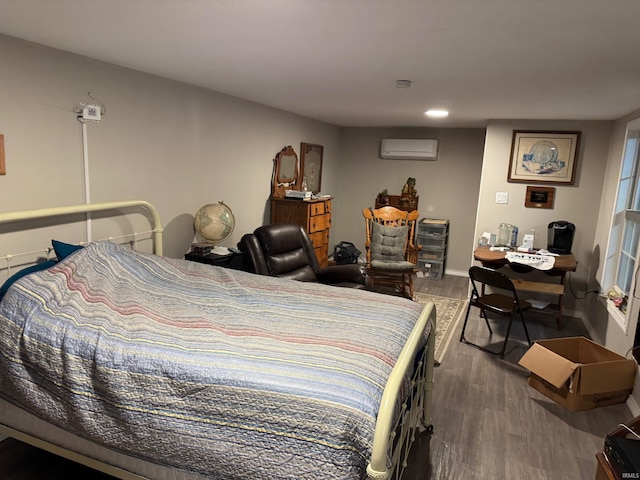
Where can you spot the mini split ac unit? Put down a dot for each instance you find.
(409, 149)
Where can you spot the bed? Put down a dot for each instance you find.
(144, 366)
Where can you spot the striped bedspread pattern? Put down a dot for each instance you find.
(215, 371)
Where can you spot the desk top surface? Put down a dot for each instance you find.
(563, 263)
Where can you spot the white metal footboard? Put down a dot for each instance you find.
(394, 434)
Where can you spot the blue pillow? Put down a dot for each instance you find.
(63, 250)
(25, 271)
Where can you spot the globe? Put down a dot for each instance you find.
(214, 222)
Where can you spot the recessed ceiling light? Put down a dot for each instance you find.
(403, 83)
(435, 113)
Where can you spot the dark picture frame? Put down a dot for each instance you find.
(539, 197)
(311, 165)
(543, 157)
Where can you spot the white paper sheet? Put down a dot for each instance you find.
(539, 304)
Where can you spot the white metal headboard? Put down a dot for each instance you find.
(154, 220)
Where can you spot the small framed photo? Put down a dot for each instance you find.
(543, 157)
(311, 165)
(539, 197)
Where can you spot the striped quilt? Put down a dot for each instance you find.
(214, 371)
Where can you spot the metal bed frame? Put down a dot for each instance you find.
(396, 426)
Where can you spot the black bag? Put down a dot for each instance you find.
(345, 252)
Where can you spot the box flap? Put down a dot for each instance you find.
(608, 376)
(548, 365)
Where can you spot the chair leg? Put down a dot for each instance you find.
(506, 337)
(466, 318)
(464, 325)
(464, 340)
(524, 324)
(486, 320)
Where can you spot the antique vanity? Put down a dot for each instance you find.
(314, 215)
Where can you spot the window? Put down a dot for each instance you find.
(622, 256)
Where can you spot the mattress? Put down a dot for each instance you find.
(209, 371)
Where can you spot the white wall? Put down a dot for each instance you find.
(174, 145)
(448, 187)
(578, 203)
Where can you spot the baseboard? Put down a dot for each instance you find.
(456, 273)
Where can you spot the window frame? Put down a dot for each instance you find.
(622, 216)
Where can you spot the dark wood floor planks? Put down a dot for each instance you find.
(489, 424)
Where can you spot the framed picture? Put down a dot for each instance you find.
(539, 197)
(2, 169)
(543, 157)
(311, 165)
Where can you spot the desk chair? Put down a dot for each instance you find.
(506, 304)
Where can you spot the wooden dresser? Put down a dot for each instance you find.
(313, 215)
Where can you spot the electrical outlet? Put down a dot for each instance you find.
(502, 197)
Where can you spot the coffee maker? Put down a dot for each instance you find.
(560, 236)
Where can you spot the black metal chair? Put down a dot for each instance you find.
(506, 304)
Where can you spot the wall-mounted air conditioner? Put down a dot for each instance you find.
(409, 149)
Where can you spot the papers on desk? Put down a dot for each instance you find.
(220, 250)
(540, 262)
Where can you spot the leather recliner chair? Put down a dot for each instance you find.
(285, 250)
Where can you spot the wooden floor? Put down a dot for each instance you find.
(488, 423)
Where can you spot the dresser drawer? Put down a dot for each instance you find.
(323, 255)
(320, 238)
(319, 222)
(314, 216)
(327, 206)
(317, 208)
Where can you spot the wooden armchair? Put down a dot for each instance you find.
(392, 256)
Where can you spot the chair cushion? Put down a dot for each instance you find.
(393, 266)
(388, 243)
(289, 263)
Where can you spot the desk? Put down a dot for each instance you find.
(563, 264)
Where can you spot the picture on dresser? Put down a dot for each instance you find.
(311, 165)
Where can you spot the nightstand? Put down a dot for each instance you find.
(234, 261)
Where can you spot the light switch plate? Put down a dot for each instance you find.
(502, 197)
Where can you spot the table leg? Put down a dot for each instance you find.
(560, 303)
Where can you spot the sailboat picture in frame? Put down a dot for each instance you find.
(543, 157)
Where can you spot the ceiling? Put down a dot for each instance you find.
(338, 60)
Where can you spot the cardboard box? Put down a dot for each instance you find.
(578, 373)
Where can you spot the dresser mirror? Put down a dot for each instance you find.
(285, 172)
